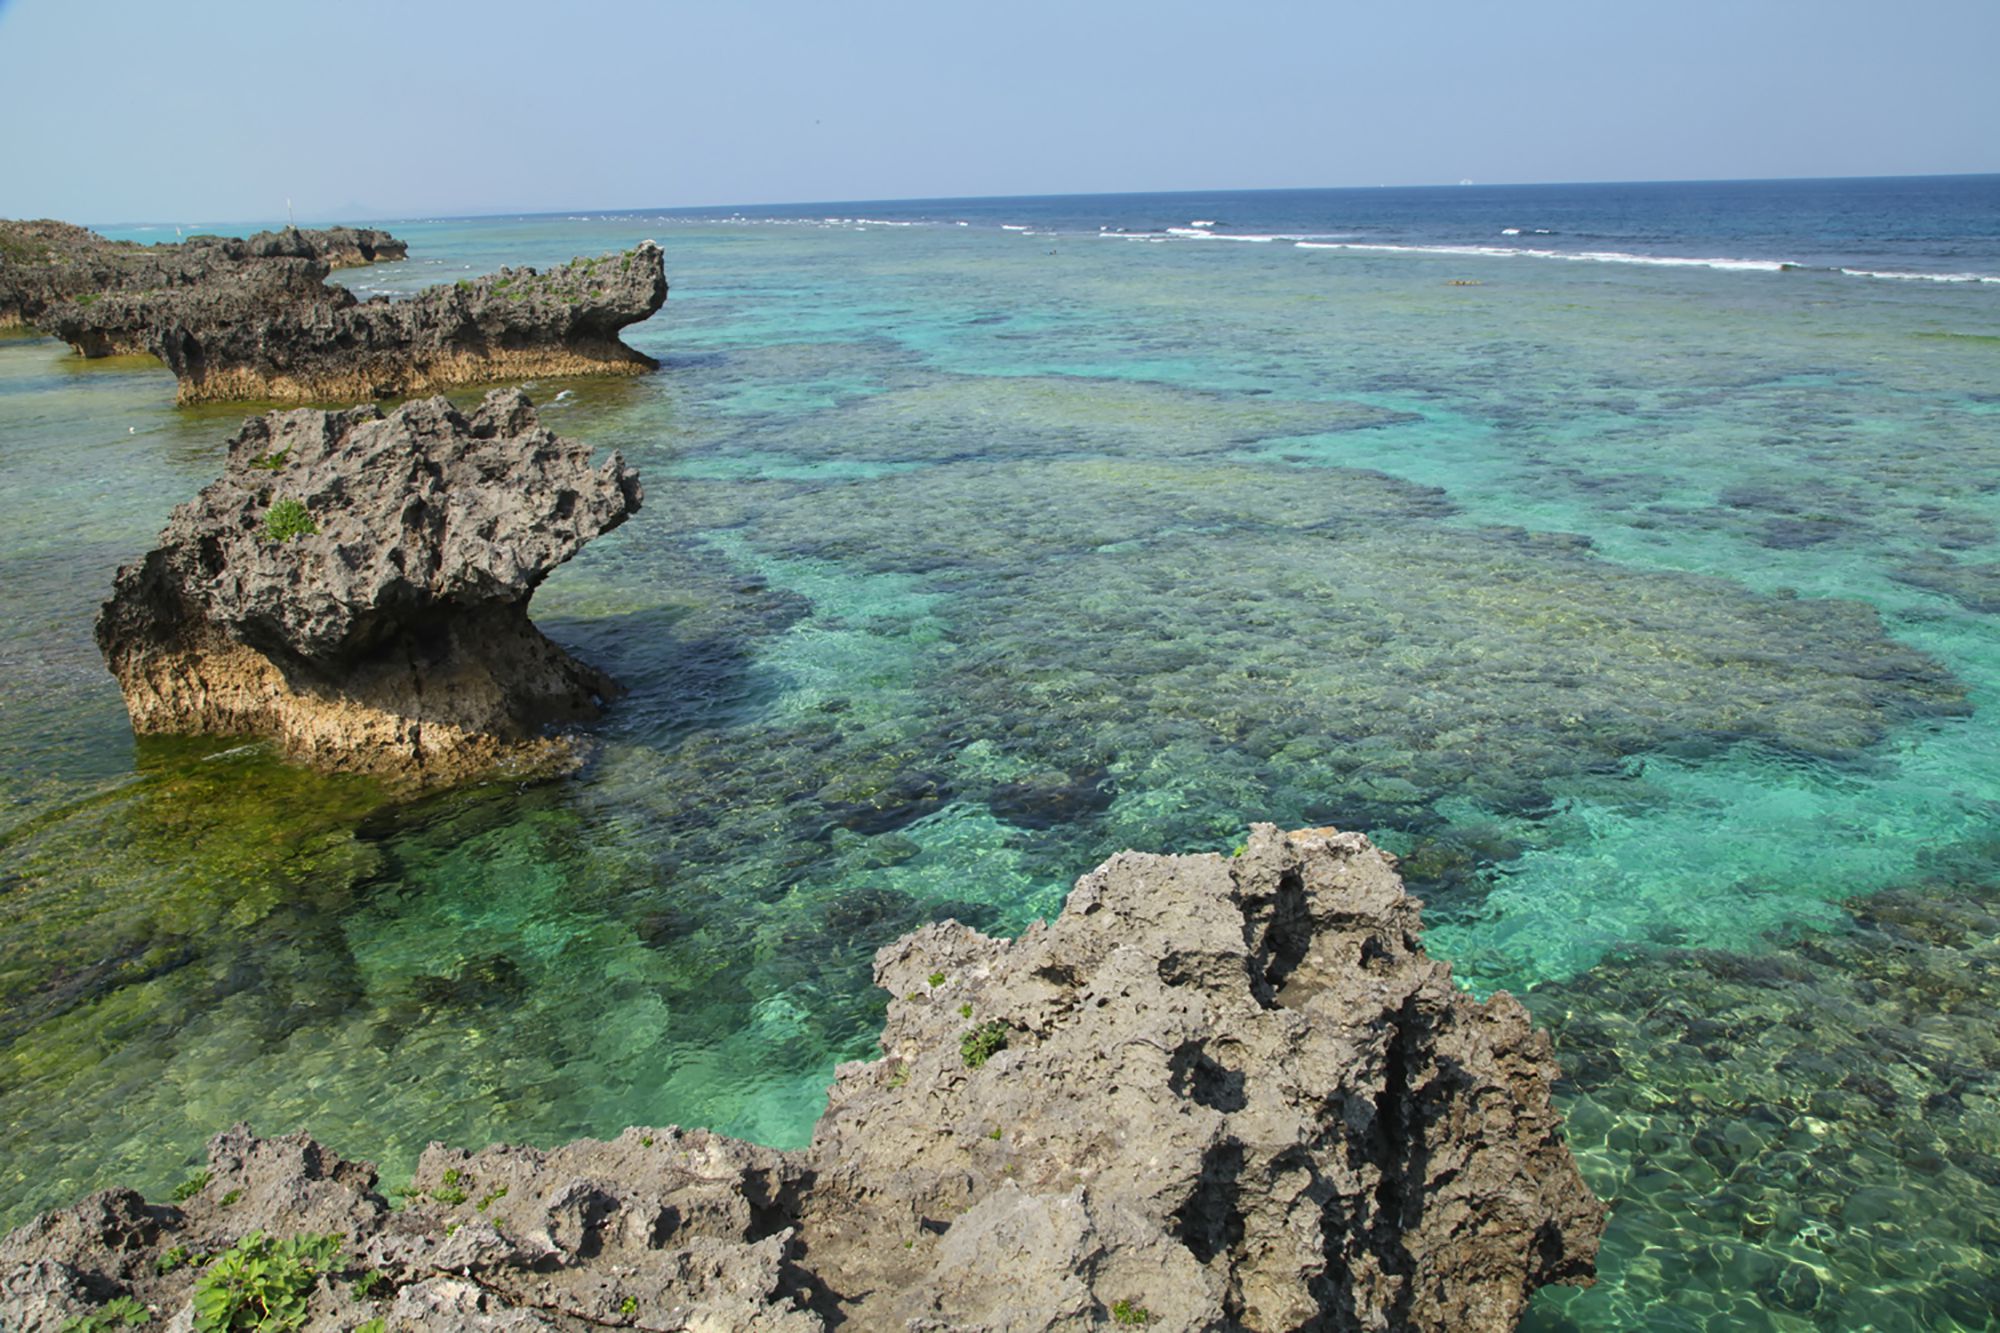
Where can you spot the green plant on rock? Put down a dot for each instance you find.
(936, 979)
(982, 1043)
(451, 1191)
(270, 462)
(125, 1312)
(629, 1306)
(169, 1260)
(262, 1285)
(1124, 1312)
(192, 1186)
(375, 1325)
(288, 518)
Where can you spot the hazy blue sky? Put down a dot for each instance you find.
(220, 109)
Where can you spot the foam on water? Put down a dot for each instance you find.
(1583, 256)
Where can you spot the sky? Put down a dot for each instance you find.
(222, 110)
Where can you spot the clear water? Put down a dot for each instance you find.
(1648, 610)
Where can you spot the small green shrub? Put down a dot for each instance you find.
(288, 518)
(190, 1187)
(965, 1010)
(169, 1260)
(125, 1312)
(376, 1325)
(982, 1043)
(261, 1285)
(937, 979)
(270, 462)
(498, 1193)
(229, 1199)
(1124, 1312)
(451, 1188)
(629, 1306)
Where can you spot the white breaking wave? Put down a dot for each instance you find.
(1589, 256)
(1259, 238)
(1920, 277)
(1652, 261)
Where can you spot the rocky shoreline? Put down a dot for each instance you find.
(355, 587)
(1215, 1093)
(256, 320)
(46, 263)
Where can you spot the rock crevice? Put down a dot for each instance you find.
(1115, 1119)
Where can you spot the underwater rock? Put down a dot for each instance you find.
(46, 263)
(1214, 1093)
(1821, 1110)
(355, 587)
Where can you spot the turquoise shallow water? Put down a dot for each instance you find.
(1648, 612)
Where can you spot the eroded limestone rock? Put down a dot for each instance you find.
(1214, 1094)
(256, 320)
(46, 263)
(356, 587)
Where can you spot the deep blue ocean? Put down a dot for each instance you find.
(1940, 228)
(1625, 558)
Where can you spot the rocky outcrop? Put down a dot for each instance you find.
(276, 331)
(46, 263)
(356, 587)
(1214, 1094)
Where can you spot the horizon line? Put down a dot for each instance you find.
(428, 214)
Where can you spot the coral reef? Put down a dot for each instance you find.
(46, 263)
(356, 587)
(1806, 1135)
(1214, 1093)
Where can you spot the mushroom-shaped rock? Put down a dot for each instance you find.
(355, 587)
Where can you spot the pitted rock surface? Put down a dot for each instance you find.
(393, 637)
(276, 331)
(1233, 1094)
